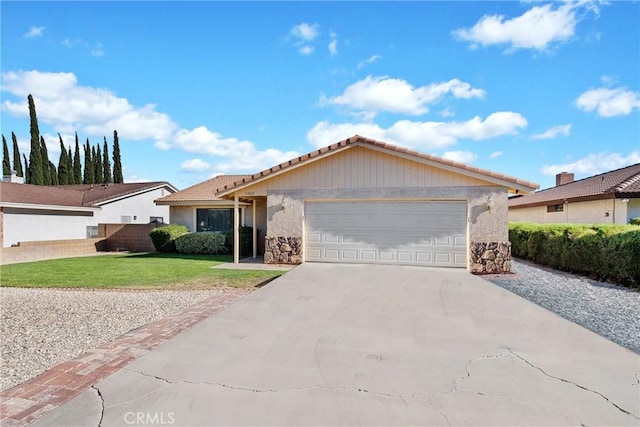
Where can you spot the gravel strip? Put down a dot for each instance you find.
(40, 328)
(609, 310)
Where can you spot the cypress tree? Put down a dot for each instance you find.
(106, 164)
(63, 163)
(6, 163)
(77, 166)
(97, 161)
(54, 174)
(70, 179)
(17, 160)
(117, 164)
(46, 170)
(36, 174)
(27, 178)
(88, 164)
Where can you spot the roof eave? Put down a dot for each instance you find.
(49, 207)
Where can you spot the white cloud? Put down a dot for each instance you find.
(378, 94)
(609, 102)
(194, 165)
(370, 60)
(303, 36)
(495, 154)
(34, 32)
(421, 135)
(235, 154)
(594, 164)
(333, 44)
(95, 49)
(67, 106)
(560, 130)
(460, 156)
(538, 28)
(305, 31)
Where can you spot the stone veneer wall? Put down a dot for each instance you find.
(490, 257)
(283, 250)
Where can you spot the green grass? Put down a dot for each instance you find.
(132, 271)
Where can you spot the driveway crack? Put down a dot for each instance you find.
(101, 403)
(571, 382)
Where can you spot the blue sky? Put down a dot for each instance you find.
(196, 89)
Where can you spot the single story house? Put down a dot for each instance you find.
(365, 201)
(41, 213)
(611, 198)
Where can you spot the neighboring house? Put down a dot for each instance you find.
(611, 198)
(39, 213)
(365, 201)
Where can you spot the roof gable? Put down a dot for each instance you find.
(513, 184)
(623, 182)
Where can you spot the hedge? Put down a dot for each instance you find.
(246, 241)
(164, 237)
(208, 242)
(604, 252)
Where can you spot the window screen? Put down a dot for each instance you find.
(214, 219)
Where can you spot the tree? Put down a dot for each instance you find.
(36, 174)
(88, 164)
(46, 170)
(77, 166)
(54, 174)
(70, 179)
(97, 161)
(117, 164)
(63, 164)
(106, 164)
(6, 163)
(17, 160)
(27, 178)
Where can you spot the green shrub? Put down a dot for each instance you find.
(207, 242)
(634, 221)
(246, 241)
(603, 251)
(163, 238)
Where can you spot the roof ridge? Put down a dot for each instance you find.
(627, 182)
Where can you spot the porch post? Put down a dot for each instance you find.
(255, 231)
(236, 229)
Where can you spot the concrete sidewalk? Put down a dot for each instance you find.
(372, 345)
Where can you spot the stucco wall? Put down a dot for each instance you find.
(21, 225)
(139, 208)
(183, 215)
(487, 207)
(608, 211)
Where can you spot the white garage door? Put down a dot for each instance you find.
(414, 233)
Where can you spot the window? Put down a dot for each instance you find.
(214, 219)
(92, 231)
(555, 208)
(157, 219)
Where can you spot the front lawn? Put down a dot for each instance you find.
(132, 271)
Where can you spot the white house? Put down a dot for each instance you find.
(41, 213)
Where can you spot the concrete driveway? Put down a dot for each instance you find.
(372, 345)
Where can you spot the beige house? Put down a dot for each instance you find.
(608, 198)
(363, 201)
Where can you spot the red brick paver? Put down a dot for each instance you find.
(26, 402)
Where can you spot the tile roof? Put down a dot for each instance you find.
(71, 195)
(202, 192)
(623, 182)
(359, 140)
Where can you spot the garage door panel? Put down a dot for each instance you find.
(425, 233)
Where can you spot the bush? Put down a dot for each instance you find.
(206, 242)
(606, 252)
(634, 221)
(163, 238)
(246, 241)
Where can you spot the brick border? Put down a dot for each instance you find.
(23, 404)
